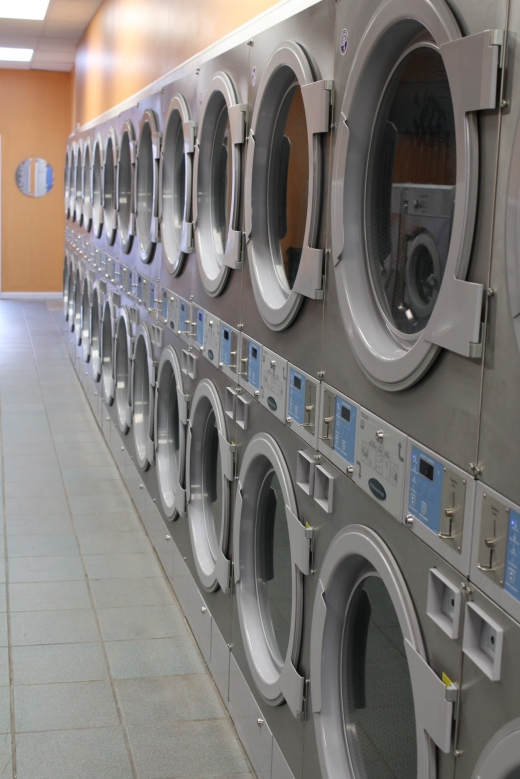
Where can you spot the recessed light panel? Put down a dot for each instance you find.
(23, 9)
(15, 55)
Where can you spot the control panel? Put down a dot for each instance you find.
(211, 337)
(173, 311)
(380, 462)
(302, 405)
(126, 279)
(273, 384)
(337, 429)
(117, 274)
(152, 299)
(163, 309)
(250, 366)
(229, 357)
(138, 287)
(110, 268)
(184, 321)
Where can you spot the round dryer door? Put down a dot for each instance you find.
(216, 199)
(379, 709)
(78, 300)
(87, 185)
(283, 185)
(70, 293)
(501, 756)
(209, 477)
(73, 179)
(79, 184)
(109, 187)
(147, 186)
(125, 187)
(96, 324)
(271, 555)
(66, 272)
(107, 350)
(97, 187)
(66, 178)
(123, 357)
(176, 190)
(171, 417)
(405, 185)
(86, 311)
(143, 398)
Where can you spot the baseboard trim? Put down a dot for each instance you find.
(31, 295)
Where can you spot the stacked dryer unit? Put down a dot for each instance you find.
(287, 277)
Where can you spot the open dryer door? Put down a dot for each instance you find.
(107, 349)
(96, 325)
(124, 345)
(171, 419)
(96, 187)
(143, 397)
(125, 187)
(87, 185)
(78, 302)
(78, 194)
(147, 186)
(66, 273)
(66, 177)
(86, 317)
(109, 186)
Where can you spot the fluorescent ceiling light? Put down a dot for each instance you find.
(15, 55)
(23, 9)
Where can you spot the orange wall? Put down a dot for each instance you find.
(131, 43)
(34, 122)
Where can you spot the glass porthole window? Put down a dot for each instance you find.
(147, 186)
(170, 434)
(87, 184)
(79, 184)
(86, 310)
(216, 198)
(97, 188)
(369, 668)
(107, 351)
(283, 190)
(66, 271)
(95, 334)
(66, 177)
(176, 188)
(143, 398)
(271, 554)
(78, 294)
(109, 187)
(406, 169)
(209, 477)
(125, 187)
(123, 355)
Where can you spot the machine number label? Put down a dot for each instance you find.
(345, 430)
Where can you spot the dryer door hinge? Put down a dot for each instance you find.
(474, 61)
(300, 539)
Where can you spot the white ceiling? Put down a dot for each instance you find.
(54, 40)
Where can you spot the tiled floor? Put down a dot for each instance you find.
(99, 675)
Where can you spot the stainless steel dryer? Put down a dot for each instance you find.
(66, 176)
(107, 348)
(109, 186)
(125, 189)
(73, 180)
(286, 185)
(147, 180)
(66, 274)
(87, 184)
(78, 194)
(86, 315)
(96, 187)
(414, 163)
(96, 329)
(124, 345)
(384, 643)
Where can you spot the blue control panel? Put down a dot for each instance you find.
(117, 273)
(183, 313)
(151, 296)
(164, 305)
(512, 574)
(199, 336)
(139, 290)
(225, 346)
(345, 430)
(296, 396)
(425, 494)
(254, 358)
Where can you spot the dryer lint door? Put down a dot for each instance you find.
(405, 187)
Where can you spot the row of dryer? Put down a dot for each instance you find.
(293, 267)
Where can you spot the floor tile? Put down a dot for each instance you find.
(48, 473)
(116, 593)
(167, 698)
(3, 629)
(6, 756)
(142, 622)
(37, 526)
(184, 748)
(122, 566)
(45, 569)
(87, 504)
(42, 546)
(64, 706)
(68, 626)
(36, 489)
(72, 474)
(96, 488)
(3, 601)
(48, 596)
(53, 663)
(33, 505)
(114, 543)
(5, 713)
(27, 462)
(83, 754)
(4, 667)
(154, 657)
(120, 522)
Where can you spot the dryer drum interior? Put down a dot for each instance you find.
(269, 579)
(210, 487)
(146, 187)
(125, 187)
(87, 187)
(170, 433)
(95, 335)
(78, 300)
(143, 398)
(85, 319)
(109, 187)
(122, 373)
(176, 188)
(79, 186)
(97, 189)
(107, 354)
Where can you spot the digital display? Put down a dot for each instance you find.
(345, 413)
(426, 469)
(200, 316)
(226, 335)
(297, 382)
(254, 352)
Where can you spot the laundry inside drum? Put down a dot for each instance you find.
(411, 187)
